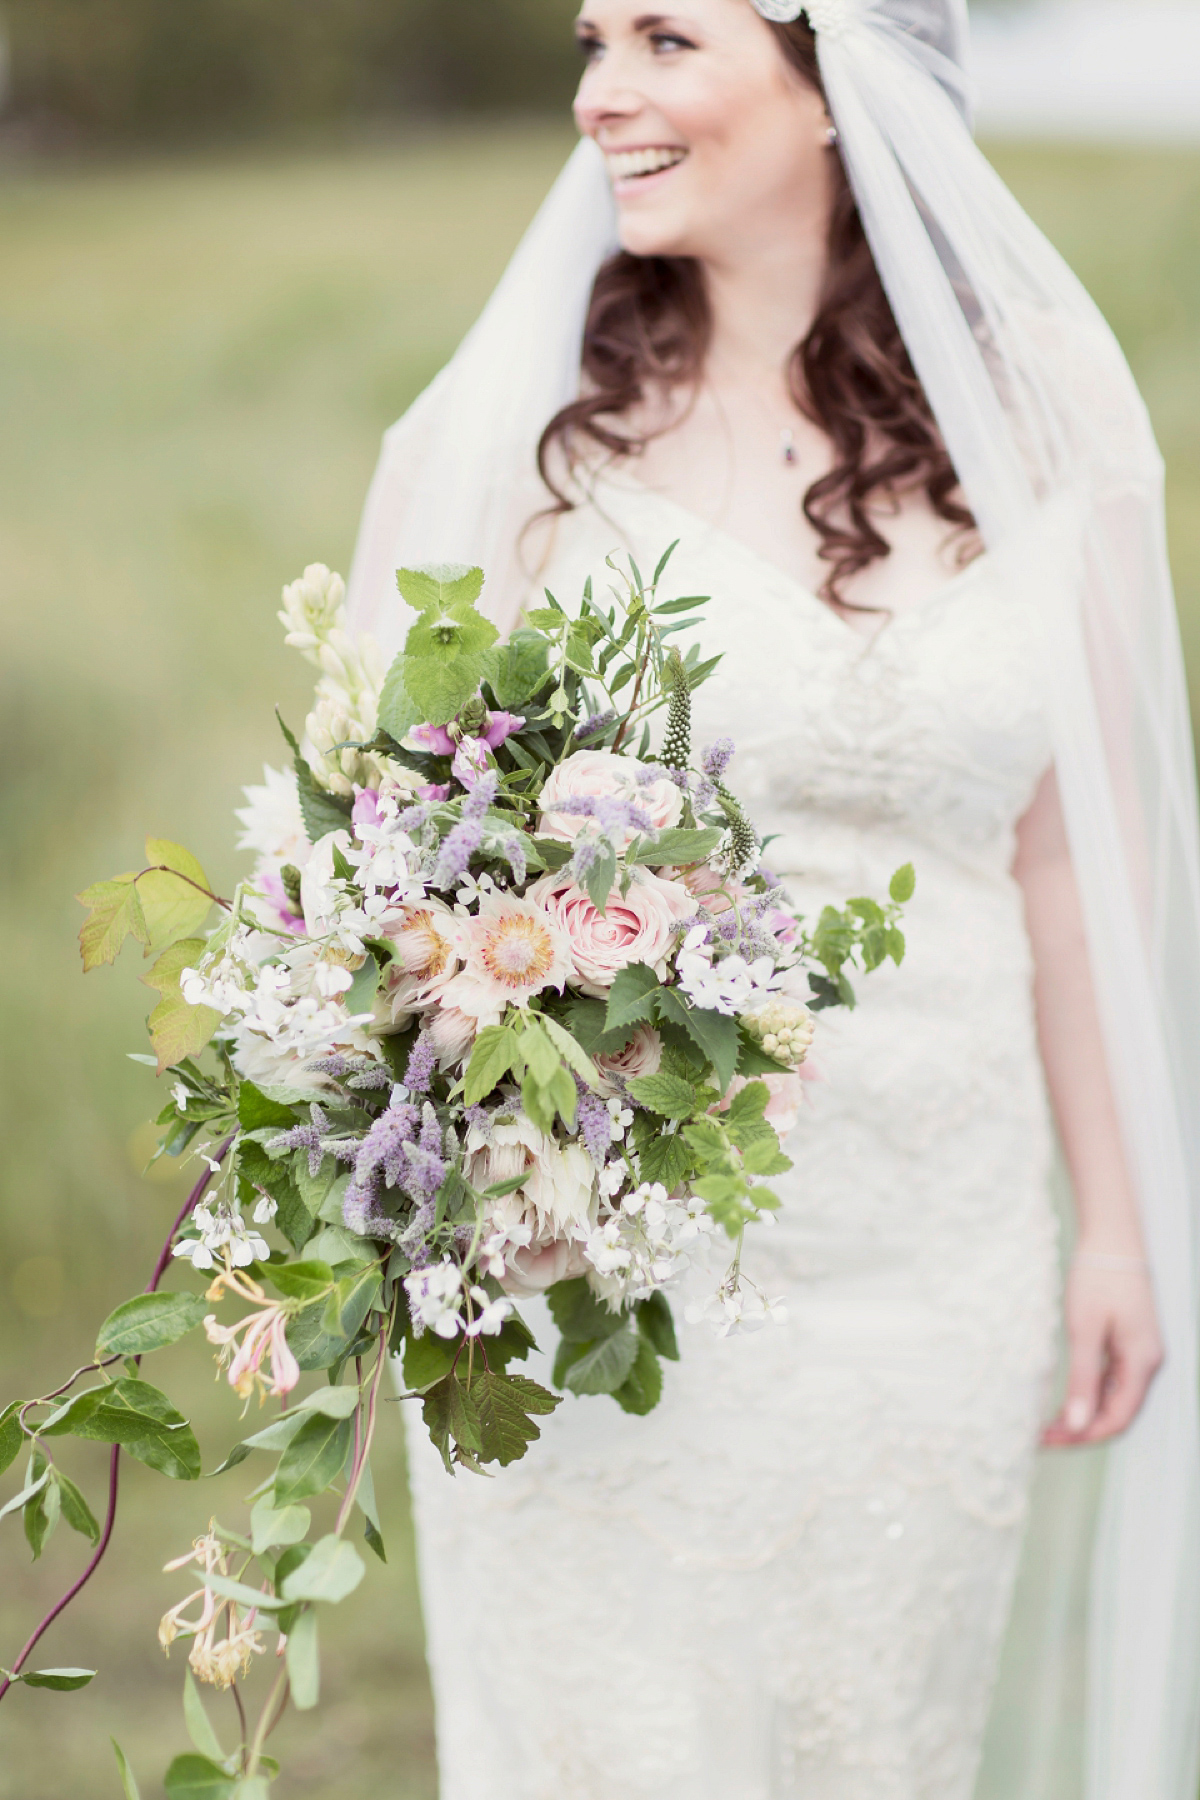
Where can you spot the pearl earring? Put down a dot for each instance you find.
(831, 137)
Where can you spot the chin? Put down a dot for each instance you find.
(644, 236)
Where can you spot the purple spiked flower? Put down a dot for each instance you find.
(304, 1137)
(595, 1125)
(422, 1061)
(717, 758)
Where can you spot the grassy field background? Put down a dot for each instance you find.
(196, 360)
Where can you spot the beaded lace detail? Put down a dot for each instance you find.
(790, 1582)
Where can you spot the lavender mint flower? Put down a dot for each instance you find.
(515, 857)
(717, 758)
(595, 1124)
(422, 1061)
(308, 1137)
(593, 726)
(463, 841)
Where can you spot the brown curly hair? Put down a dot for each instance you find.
(649, 324)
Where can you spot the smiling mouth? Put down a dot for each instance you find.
(634, 165)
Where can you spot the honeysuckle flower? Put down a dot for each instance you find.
(218, 1662)
(510, 950)
(264, 1343)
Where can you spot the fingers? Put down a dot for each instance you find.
(1115, 1353)
(1132, 1366)
(1084, 1384)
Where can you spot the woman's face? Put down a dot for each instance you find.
(713, 141)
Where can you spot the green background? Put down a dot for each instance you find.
(197, 357)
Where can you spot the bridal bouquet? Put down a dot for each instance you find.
(509, 1005)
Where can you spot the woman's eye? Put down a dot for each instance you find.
(590, 48)
(667, 41)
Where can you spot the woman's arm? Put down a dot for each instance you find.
(1112, 1323)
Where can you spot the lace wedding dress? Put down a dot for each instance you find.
(791, 1581)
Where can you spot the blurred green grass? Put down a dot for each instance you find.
(196, 360)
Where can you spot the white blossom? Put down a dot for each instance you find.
(435, 1297)
(730, 985)
(646, 1244)
(489, 1315)
(736, 1307)
(222, 1231)
(272, 822)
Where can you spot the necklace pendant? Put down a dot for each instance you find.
(787, 447)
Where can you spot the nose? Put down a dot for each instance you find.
(605, 97)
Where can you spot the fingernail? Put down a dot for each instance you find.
(1078, 1414)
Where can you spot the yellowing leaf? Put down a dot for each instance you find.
(116, 913)
(171, 893)
(177, 1029)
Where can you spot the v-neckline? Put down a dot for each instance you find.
(629, 485)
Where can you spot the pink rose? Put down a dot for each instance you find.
(642, 1055)
(598, 774)
(642, 927)
(787, 1097)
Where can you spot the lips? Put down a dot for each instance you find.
(632, 165)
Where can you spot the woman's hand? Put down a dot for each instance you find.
(1115, 1347)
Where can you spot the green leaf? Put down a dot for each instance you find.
(632, 997)
(256, 1111)
(496, 1049)
(115, 913)
(601, 877)
(504, 1403)
(197, 1778)
(571, 1051)
(197, 1721)
(428, 1359)
(578, 1314)
(241, 1592)
(764, 1157)
(666, 1159)
(170, 894)
(668, 1095)
(435, 1410)
(753, 1059)
(445, 657)
(275, 1528)
(128, 1781)
(712, 1033)
(398, 712)
(369, 1508)
(11, 1435)
(176, 1029)
(254, 1787)
(641, 1390)
(149, 1322)
(143, 1421)
(76, 1511)
(677, 848)
(440, 587)
(59, 1681)
(903, 885)
(333, 1570)
(301, 1280)
(465, 1426)
(656, 1323)
(321, 811)
(360, 995)
(603, 1369)
(313, 1459)
(332, 1402)
(518, 668)
(586, 1018)
(44, 1508)
(304, 1662)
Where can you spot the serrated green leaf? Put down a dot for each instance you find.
(753, 1059)
(170, 892)
(313, 1459)
(764, 1157)
(632, 997)
(666, 1159)
(496, 1049)
(149, 1322)
(504, 1404)
(428, 1359)
(518, 668)
(199, 1728)
(398, 712)
(712, 1033)
(176, 1029)
(440, 587)
(603, 1369)
(668, 1095)
(257, 1111)
(304, 1662)
(464, 1417)
(76, 1511)
(579, 1315)
(903, 885)
(197, 1778)
(333, 1570)
(115, 913)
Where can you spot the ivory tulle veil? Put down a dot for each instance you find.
(1058, 460)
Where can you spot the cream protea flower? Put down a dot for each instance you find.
(425, 957)
(218, 1662)
(784, 1028)
(510, 950)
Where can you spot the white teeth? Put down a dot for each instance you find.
(624, 164)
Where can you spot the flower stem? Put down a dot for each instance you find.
(360, 1461)
(114, 1461)
(266, 1724)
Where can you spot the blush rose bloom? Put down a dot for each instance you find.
(787, 1097)
(601, 775)
(642, 1055)
(641, 928)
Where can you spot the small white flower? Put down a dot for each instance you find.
(265, 1211)
(491, 1314)
(180, 1096)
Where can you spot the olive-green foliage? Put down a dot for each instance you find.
(196, 361)
(166, 68)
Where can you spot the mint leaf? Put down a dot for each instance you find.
(632, 997)
(603, 1369)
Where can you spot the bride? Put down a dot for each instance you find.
(779, 309)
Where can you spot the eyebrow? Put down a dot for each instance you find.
(643, 22)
